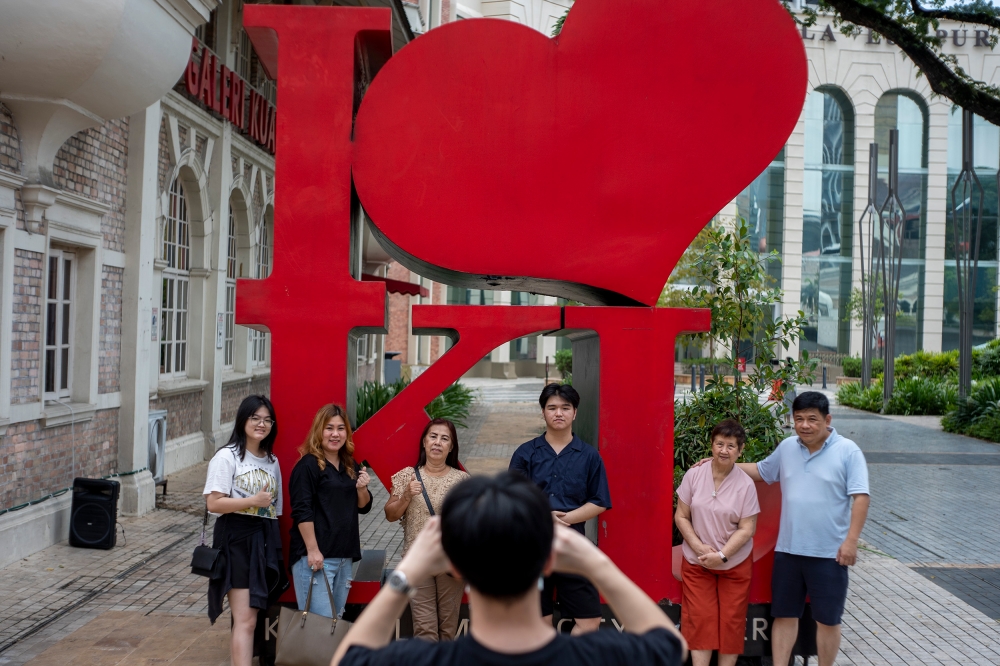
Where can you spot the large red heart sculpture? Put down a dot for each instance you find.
(490, 156)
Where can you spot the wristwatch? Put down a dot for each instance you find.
(723, 556)
(397, 582)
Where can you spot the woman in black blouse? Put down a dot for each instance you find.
(328, 490)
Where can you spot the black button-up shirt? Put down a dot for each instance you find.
(571, 479)
(329, 500)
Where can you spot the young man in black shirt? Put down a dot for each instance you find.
(498, 534)
(571, 474)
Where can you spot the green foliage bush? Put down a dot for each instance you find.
(855, 395)
(979, 414)
(453, 403)
(851, 366)
(695, 417)
(914, 396)
(943, 365)
(564, 364)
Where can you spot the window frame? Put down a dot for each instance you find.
(175, 285)
(63, 350)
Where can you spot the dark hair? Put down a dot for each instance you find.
(249, 407)
(452, 458)
(812, 400)
(730, 428)
(497, 531)
(564, 391)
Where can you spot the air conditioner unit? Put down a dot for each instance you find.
(158, 446)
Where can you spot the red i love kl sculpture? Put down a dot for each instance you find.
(611, 146)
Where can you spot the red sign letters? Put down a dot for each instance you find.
(612, 145)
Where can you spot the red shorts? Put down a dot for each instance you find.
(714, 606)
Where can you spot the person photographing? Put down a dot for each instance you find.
(499, 536)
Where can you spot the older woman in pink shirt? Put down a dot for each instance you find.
(717, 516)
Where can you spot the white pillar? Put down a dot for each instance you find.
(791, 245)
(138, 298)
(932, 309)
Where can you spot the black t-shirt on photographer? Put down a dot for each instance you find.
(600, 648)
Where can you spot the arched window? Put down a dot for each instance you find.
(905, 112)
(986, 159)
(262, 268)
(827, 219)
(228, 350)
(176, 252)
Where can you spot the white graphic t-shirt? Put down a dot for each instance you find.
(229, 475)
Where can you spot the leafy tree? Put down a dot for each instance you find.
(730, 278)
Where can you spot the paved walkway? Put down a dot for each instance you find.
(926, 590)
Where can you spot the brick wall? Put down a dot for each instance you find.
(183, 413)
(399, 315)
(27, 327)
(92, 164)
(10, 144)
(36, 461)
(110, 353)
(233, 394)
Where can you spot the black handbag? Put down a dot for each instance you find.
(207, 561)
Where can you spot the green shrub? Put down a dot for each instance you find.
(979, 414)
(851, 366)
(695, 417)
(942, 365)
(453, 403)
(914, 396)
(855, 395)
(564, 364)
(986, 360)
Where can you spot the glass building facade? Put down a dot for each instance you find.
(906, 113)
(986, 160)
(827, 220)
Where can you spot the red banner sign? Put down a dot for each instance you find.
(223, 91)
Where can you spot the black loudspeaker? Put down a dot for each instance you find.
(94, 514)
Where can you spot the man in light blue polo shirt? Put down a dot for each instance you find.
(820, 472)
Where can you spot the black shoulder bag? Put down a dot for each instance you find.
(207, 561)
(423, 489)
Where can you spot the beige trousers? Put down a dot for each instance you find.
(435, 608)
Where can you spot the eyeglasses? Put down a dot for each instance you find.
(256, 420)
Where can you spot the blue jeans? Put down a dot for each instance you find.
(338, 573)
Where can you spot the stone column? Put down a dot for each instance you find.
(932, 309)
(500, 364)
(138, 298)
(864, 135)
(791, 246)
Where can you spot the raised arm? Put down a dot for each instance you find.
(575, 554)
(376, 625)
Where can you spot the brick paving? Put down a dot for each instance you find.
(927, 590)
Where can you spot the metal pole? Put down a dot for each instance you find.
(869, 273)
(702, 369)
(967, 227)
(694, 379)
(824, 376)
(892, 217)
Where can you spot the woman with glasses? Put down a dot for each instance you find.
(328, 492)
(243, 488)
